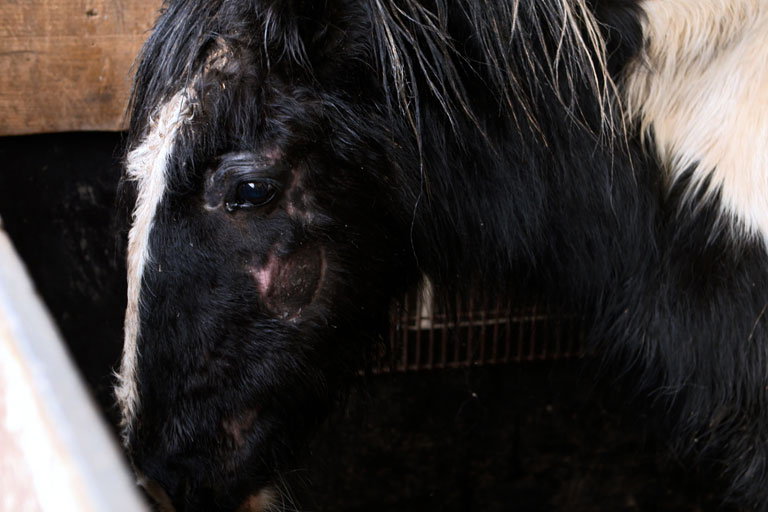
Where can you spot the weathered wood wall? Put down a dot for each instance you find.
(65, 65)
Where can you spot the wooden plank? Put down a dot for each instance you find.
(65, 65)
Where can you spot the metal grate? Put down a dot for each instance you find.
(475, 332)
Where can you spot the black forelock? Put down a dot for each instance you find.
(187, 31)
(523, 55)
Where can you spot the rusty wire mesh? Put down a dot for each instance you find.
(474, 332)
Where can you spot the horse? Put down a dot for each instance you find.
(294, 166)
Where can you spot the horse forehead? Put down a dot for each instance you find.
(147, 165)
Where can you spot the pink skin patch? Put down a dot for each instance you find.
(289, 283)
(264, 274)
(237, 428)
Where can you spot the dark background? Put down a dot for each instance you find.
(521, 437)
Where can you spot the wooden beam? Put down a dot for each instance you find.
(65, 65)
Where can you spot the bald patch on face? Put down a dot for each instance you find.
(701, 90)
(288, 283)
(147, 166)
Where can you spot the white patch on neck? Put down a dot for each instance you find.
(147, 166)
(701, 90)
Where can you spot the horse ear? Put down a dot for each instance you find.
(216, 54)
(298, 32)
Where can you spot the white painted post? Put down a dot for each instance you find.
(56, 453)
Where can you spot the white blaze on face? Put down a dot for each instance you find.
(147, 166)
(701, 89)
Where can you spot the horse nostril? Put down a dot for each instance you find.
(260, 502)
(157, 493)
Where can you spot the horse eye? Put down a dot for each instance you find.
(251, 194)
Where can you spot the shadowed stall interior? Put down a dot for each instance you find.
(534, 434)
